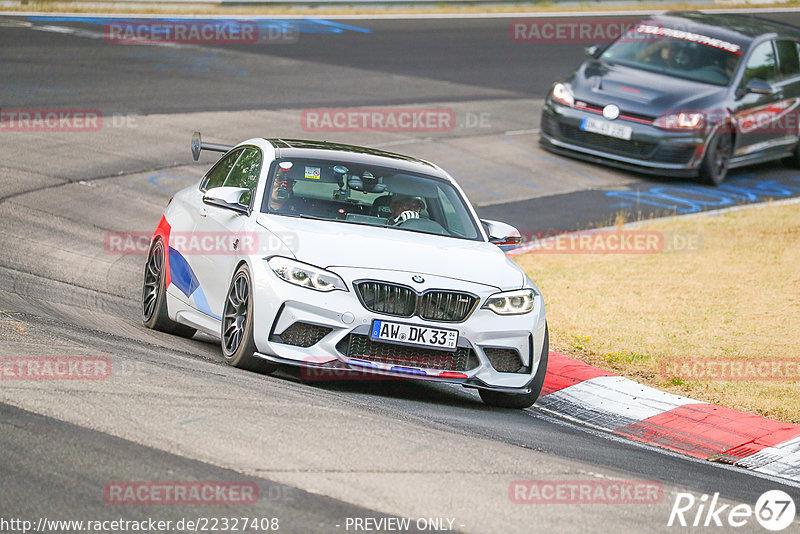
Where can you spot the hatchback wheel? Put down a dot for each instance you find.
(714, 167)
(154, 294)
(794, 159)
(238, 345)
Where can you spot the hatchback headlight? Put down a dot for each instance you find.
(562, 93)
(685, 120)
(305, 275)
(511, 302)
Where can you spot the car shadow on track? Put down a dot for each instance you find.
(387, 387)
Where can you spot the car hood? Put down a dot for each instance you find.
(332, 244)
(640, 91)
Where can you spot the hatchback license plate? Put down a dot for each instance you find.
(607, 128)
(410, 334)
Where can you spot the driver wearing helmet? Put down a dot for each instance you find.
(404, 208)
(280, 197)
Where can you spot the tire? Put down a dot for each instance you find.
(521, 400)
(154, 295)
(715, 164)
(236, 334)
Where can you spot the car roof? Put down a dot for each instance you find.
(308, 149)
(736, 28)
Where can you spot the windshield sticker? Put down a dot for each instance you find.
(312, 173)
(689, 36)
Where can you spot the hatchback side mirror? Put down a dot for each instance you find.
(501, 234)
(759, 87)
(227, 197)
(592, 50)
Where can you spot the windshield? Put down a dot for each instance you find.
(368, 195)
(677, 53)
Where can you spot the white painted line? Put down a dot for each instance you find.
(77, 32)
(523, 132)
(787, 467)
(612, 402)
(784, 459)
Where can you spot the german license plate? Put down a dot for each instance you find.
(610, 129)
(410, 334)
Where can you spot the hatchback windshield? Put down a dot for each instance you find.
(367, 195)
(677, 53)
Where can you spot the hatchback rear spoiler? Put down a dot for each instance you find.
(198, 145)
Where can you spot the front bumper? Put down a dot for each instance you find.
(650, 150)
(336, 318)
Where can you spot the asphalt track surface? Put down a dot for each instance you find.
(172, 410)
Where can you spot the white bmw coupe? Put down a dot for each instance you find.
(330, 256)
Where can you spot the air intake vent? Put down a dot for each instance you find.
(503, 360)
(302, 335)
(362, 347)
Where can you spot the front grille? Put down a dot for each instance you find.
(503, 360)
(387, 298)
(449, 306)
(402, 301)
(632, 148)
(362, 347)
(302, 334)
(598, 108)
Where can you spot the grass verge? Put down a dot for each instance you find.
(733, 300)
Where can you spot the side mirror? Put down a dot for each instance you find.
(759, 87)
(501, 234)
(227, 197)
(592, 50)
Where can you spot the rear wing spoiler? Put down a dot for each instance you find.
(198, 145)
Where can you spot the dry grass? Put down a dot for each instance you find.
(737, 298)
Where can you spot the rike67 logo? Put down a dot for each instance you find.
(774, 510)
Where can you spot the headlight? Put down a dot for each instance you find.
(685, 120)
(511, 302)
(562, 93)
(305, 275)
